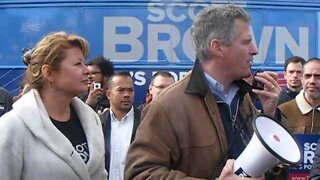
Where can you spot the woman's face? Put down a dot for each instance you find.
(71, 76)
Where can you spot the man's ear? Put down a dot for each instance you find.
(108, 93)
(47, 73)
(216, 48)
(150, 88)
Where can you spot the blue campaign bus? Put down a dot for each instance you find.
(146, 36)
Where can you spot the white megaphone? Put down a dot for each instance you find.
(270, 144)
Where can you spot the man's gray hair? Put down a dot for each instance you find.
(215, 22)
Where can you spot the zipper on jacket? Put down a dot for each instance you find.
(312, 118)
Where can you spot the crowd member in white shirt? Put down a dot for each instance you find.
(120, 123)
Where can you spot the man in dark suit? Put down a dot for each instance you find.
(120, 123)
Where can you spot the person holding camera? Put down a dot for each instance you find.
(100, 70)
(203, 120)
(50, 133)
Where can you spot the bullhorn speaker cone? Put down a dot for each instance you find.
(270, 144)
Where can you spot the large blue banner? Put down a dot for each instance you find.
(146, 36)
(152, 32)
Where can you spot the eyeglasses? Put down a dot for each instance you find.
(95, 72)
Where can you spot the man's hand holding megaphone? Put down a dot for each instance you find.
(227, 173)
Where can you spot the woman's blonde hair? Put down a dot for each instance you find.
(51, 51)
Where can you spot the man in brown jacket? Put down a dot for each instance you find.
(204, 119)
(303, 112)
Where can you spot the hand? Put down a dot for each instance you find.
(269, 96)
(94, 95)
(228, 174)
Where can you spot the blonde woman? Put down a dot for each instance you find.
(51, 134)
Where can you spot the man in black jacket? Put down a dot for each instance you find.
(292, 74)
(119, 123)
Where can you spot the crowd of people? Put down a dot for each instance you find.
(77, 120)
